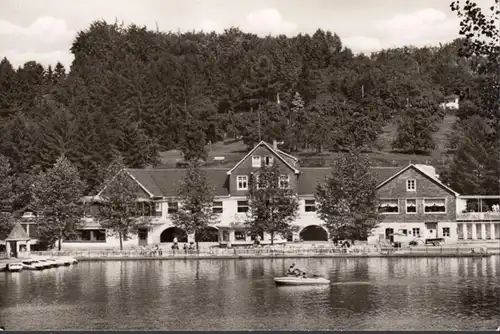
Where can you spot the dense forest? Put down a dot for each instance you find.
(135, 93)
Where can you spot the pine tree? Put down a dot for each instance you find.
(273, 204)
(196, 196)
(118, 198)
(416, 127)
(6, 193)
(347, 199)
(472, 167)
(56, 199)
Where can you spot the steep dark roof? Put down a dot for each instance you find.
(272, 150)
(165, 182)
(310, 177)
(383, 173)
(18, 234)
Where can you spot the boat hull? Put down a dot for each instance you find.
(14, 267)
(301, 281)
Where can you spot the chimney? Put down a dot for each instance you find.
(275, 144)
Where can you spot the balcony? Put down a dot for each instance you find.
(478, 208)
(478, 216)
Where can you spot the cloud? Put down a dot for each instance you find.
(362, 44)
(269, 21)
(424, 27)
(46, 40)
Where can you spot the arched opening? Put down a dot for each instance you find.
(208, 234)
(313, 233)
(170, 233)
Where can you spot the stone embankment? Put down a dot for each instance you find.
(274, 252)
(288, 251)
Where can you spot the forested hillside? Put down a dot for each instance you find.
(136, 92)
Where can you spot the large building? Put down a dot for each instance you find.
(413, 202)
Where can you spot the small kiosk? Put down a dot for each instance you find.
(16, 239)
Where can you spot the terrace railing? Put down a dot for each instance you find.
(478, 216)
(271, 252)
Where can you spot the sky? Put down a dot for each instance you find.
(43, 30)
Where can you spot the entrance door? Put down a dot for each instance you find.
(432, 229)
(13, 248)
(143, 236)
(389, 234)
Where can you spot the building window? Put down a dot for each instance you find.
(389, 206)
(242, 182)
(411, 206)
(284, 182)
(225, 235)
(95, 235)
(158, 206)
(416, 232)
(217, 207)
(268, 160)
(256, 162)
(310, 205)
(435, 205)
(240, 235)
(142, 234)
(173, 207)
(446, 231)
(411, 185)
(143, 209)
(243, 206)
(404, 232)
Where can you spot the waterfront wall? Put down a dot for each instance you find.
(282, 252)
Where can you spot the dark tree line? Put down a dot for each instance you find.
(134, 92)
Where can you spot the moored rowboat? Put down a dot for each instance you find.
(291, 280)
(15, 267)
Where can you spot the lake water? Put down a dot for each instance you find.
(365, 294)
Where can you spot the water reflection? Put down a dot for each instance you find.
(365, 294)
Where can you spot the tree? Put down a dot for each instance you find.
(56, 196)
(347, 198)
(196, 197)
(118, 199)
(6, 192)
(471, 169)
(193, 145)
(273, 204)
(416, 126)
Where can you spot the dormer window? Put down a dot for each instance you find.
(242, 182)
(256, 161)
(411, 185)
(268, 160)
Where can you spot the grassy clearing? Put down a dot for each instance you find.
(233, 151)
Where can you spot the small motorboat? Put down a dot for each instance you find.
(294, 280)
(46, 263)
(32, 264)
(59, 261)
(53, 262)
(15, 267)
(71, 260)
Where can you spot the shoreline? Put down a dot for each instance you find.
(268, 256)
(185, 257)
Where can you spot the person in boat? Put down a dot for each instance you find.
(291, 269)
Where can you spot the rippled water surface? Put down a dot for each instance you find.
(365, 294)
